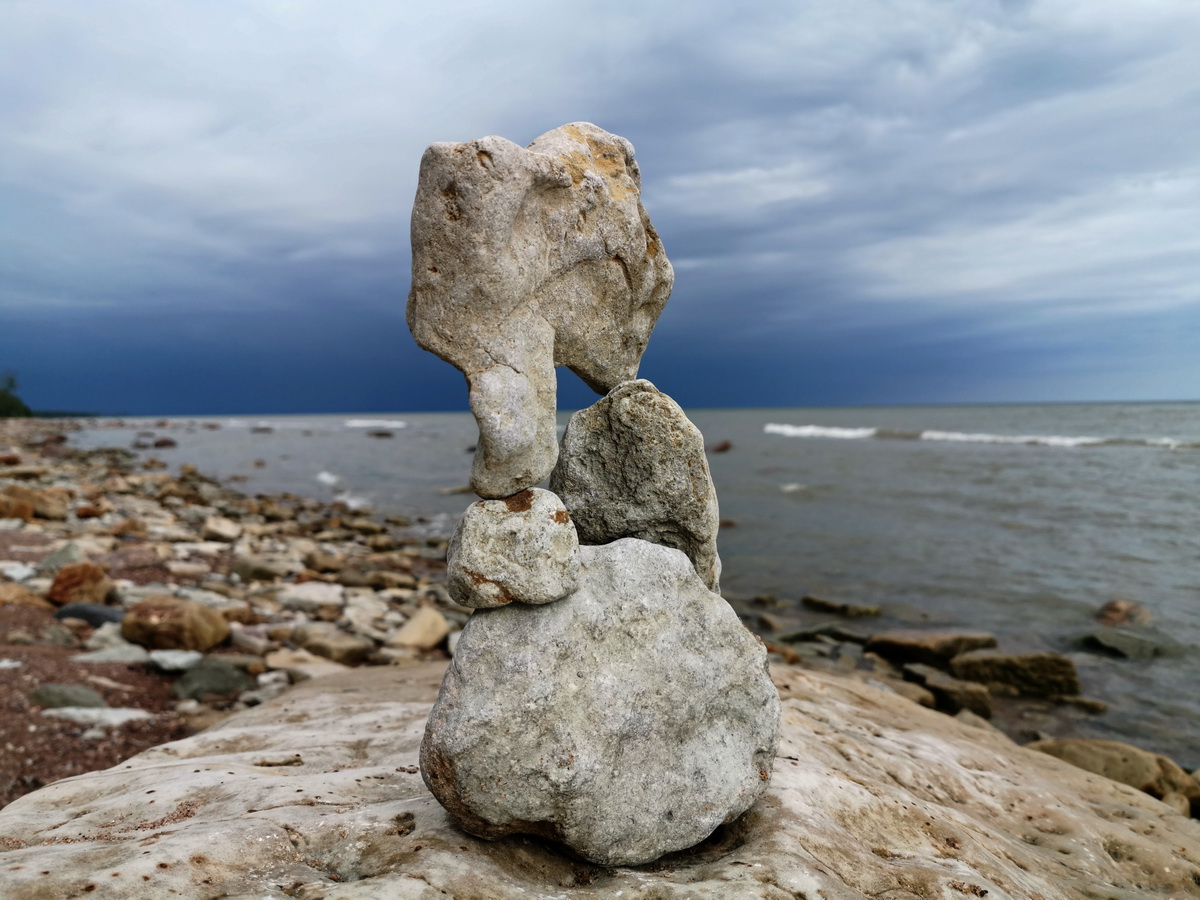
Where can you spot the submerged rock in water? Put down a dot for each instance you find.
(627, 720)
(525, 259)
(1043, 674)
(633, 465)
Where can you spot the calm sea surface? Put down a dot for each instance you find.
(1020, 520)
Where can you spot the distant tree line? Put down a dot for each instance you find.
(11, 406)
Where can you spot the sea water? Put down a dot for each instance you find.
(1019, 520)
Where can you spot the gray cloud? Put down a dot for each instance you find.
(913, 173)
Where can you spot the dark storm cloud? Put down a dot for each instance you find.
(204, 207)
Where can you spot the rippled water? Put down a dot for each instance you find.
(1021, 520)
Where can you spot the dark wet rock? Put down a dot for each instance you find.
(952, 694)
(94, 614)
(850, 610)
(935, 648)
(1043, 674)
(1130, 644)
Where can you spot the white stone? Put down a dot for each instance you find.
(523, 548)
(310, 596)
(527, 259)
(101, 717)
(218, 528)
(628, 720)
(176, 660)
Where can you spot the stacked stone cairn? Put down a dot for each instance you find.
(603, 694)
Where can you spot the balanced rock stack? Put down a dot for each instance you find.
(602, 695)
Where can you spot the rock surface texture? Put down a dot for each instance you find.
(525, 259)
(633, 465)
(317, 794)
(523, 548)
(628, 720)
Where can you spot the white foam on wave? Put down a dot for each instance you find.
(353, 501)
(1044, 440)
(375, 423)
(327, 478)
(819, 431)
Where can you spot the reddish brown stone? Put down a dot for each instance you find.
(171, 623)
(80, 583)
(51, 504)
(15, 595)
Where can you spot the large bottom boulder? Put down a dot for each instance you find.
(627, 720)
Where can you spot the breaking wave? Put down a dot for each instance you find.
(962, 437)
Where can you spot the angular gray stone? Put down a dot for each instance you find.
(55, 696)
(523, 548)
(633, 465)
(627, 720)
(528, 259)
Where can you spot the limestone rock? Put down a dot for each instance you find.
(312, 597)
(64, 556)
(424, 630)
(1151, 773)
(1043, 674)
(219, 528)
(49, 504)
(633, 465)
(870, 796)
(522, 548)
(301, 665)
(627, 720)
(952, 694)
(527, 259)
(17, 595)
(82, 582)
(934, 648)
(327, 640)
(171, 623)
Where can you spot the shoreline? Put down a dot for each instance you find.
(305, 588)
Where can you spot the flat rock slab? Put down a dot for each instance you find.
(870, 796)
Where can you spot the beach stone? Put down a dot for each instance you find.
(16, 571)
(528, 259)
(1151, 773)
(18, 595)
(212, 678)
(82, 582)
(312, 597)
(14, 513)
(264, 567)
(327, 640)
(95, 614)
(301, 665)
(870, 796)
(176, 660)
(1123, 612)
(1044, 674)
(424, 630)
(218, 528)
(633, 465)
(108, 717)
(1130, 644)
(952, 694)
(65, 555)
(523, 548)
(934, 648)
(50, 504)
(172, 623)
(627, 720)
(54, 696)
(123, 652)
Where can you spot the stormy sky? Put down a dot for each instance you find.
(204, 206)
